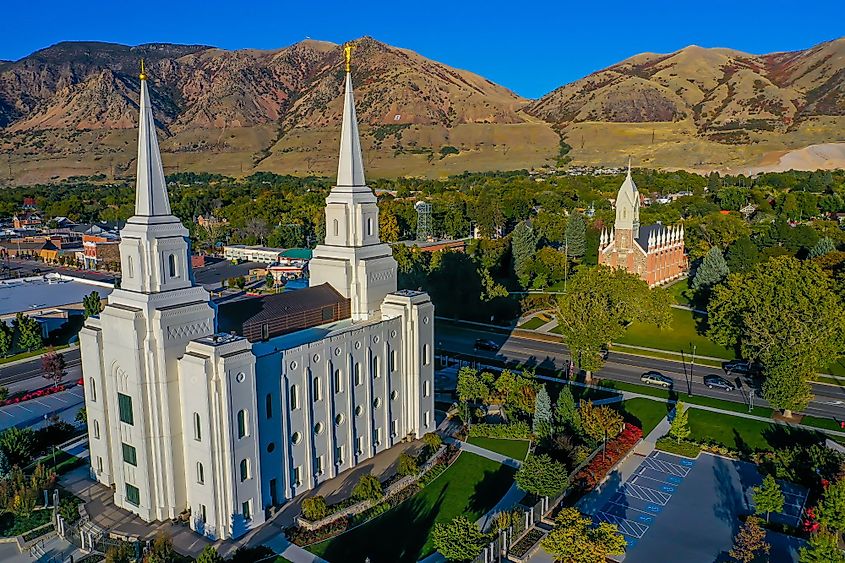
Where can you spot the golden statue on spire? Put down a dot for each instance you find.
(143, 75)
(347, 52)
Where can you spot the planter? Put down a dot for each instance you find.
(526, 546)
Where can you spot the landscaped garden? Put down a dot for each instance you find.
(471, 486)
(686, 329)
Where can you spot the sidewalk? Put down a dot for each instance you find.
(473, 449)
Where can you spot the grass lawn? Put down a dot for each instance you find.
(471, 486)
(533, 323)
(623, 349)
(681, 292)
(687, 328)
(743, 434)
(11, 525)
(645, 413)
(517, 449)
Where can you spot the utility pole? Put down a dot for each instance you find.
(691, 367)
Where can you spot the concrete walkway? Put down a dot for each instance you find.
(471, 448)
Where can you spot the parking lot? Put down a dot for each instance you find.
(670, 498)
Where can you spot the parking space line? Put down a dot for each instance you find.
(626, 526)
(666, 467)
(668, 483)
(645, 493)
(629, 507)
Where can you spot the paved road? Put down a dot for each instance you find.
(829, 400)
(29, 375)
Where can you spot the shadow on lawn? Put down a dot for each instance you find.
(397, 536)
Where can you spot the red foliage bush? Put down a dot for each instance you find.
(32, 395)
(588, 477)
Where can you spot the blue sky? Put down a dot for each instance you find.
(530, 47)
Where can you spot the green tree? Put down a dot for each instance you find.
(822, 547)
(162, 550)
(5, 466)
(742, 255)
(824, 246)
(575, 540)
(19, 445)
(28, 331)
(124, 552)
(470, 387)
(459, 539)
(92, 304)
(314, 508)
(600, 423)
(542, 423)
(269, 281)
(768, 497)
(368, 487)
(785, 314)
(523, 247)
(679, 427)
(407, 465)
(209, 555)
(575, 236)
(749, 541)
(831, 509)
(567, 416)
(388, 227)
(711, 271)
(432, 441)
(6, 334)
(541, 475)
(597, 307)
(82, 416)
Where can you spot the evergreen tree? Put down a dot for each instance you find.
(210, 555)
(29, 332)
(459, 539)
(742, 255)
(567, 416)
(575, 236)
(679, 427)
(542, 414)
(5, 466)
(714, 182)
(711, 271)
(824, 246)
(768, 497)
(92, 304)
(542, 476)
(5, 338)
(523, 247)
(822, 547)
(749, 542)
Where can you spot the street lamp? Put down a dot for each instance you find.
(691, 367)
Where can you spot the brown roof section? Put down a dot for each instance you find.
(264, 317)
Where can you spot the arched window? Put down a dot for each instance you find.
(369, 226)
(96, 429)
(242, 429)
(336, 227)
(245, 469)
(197, 430)
(376, 368)
(171, 264)
(200, 473)
(129, 268)
(269, 405)
(93, 385)
(294, 398)
(318, 393)
(425, 354)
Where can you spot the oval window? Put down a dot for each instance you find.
(318, 428)
(377, 402)
(270, 447)
(358, 410)
(339, 419)
(296, 438)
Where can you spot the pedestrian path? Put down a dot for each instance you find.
(292, 552)
(472, 448)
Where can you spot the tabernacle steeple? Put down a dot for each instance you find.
(628, 205)
(150, 188)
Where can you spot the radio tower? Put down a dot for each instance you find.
(423, 220)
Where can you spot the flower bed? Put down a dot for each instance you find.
(591, 475)
(32, 395)
(526, 542)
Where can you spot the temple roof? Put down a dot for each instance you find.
(350, 166)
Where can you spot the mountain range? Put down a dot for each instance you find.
(71, 109)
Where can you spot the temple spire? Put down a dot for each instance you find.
(150, 188)
(350, 166)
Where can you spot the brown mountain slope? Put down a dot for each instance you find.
(72, 109)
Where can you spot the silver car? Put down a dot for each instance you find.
(657, 378)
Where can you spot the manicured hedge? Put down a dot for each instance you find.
(684, 448)
(519, 430)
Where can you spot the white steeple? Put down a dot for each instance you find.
(650, 240)
(628, 205)
(150, 188)
(603, 241)
(350, 165)
(353, 259)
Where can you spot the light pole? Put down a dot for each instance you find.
(691, 367)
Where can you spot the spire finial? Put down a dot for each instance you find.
(629, 165)
(143, 75)
(347, 53)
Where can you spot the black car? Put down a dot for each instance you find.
(714, 381)
(657, 378)
(741, 367)
(486, 344)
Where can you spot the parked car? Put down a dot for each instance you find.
(657, 378)
(486, 344)
(741, 367)
(713, 381)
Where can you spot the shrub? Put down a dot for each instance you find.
(616, 449)
(432, 441)
(516, 430)
(368, 488)
(683, 448)
(541, 475)
(407, 465)
(314, 508)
